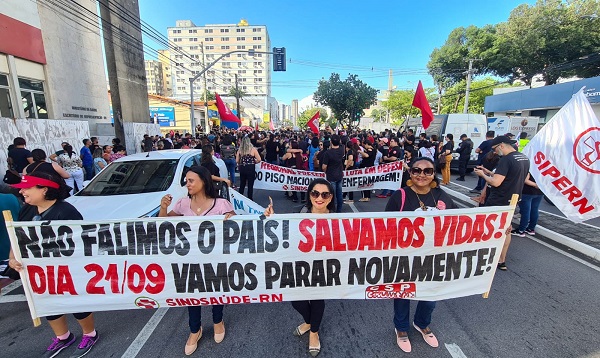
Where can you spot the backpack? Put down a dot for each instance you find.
(228, 152)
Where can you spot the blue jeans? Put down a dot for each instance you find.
(402, 312)
(230, 164)
(530, 211)
(480, 184)
(89, 172)
(195, 313)
(339, 200)
(274, 162)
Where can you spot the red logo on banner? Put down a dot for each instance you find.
(392, 290)
(146, 302)
(586, 150)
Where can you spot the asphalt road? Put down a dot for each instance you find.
(545, 305)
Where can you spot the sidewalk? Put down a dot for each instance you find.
(582, 238)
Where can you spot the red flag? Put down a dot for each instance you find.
(313, 123)
(256, 126)
(224, 111)
(420, 101)
(271, 125)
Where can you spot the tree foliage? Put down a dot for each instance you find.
(346, 98)
(305, 116)
(453, 100)
(379, 115)
(552, 38)
(399, 103)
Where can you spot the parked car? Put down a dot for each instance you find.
(133, 186)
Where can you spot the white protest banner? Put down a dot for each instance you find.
(244, 206)
(565, 157)
(274, 177)
(80, 266)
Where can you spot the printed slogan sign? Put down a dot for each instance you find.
(273, 177)
(74, 266)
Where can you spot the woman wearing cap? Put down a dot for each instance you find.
(44, 196)
(320, 192)
(422, 192)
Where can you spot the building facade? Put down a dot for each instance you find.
(294, 111)
(165, 59)
(154, 77)
(204, 44)
(45, 73)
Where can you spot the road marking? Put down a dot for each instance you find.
(138, 343)
(10, 287)
(13, 298)
(455, 350)
(564, 253)
(354, 209)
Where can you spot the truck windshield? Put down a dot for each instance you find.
(122, 178)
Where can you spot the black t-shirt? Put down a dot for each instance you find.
(411, 139)
(514, 166)
(370, 161)
(484, 148)
(449, 146)
(384, 150)
(41, 167)
(334, 159)
(272, 150)
(19, 157)
(530, 190)
(61, 210)
(394, 152)
(436, 198)
(212, 168)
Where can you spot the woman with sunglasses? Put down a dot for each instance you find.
(44, 195)
(422, 192)
(320, 192)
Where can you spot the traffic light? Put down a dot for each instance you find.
(278, 58)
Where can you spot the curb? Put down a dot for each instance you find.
(583, 249)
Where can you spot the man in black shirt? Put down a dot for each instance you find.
(409, 141)
(18, 156)
(465, 147)
(333, 166)
(507, 180)
(395, 152)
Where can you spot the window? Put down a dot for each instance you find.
(241, 39)
(241, 71)
(244, 87)
(193, 47)
(256, 30)
(224, 38)
(240, 30)
(224, 47)
(176, 31)
(33, 99)
(178, 57)
(208, 31)
(240, 64)
(240, 55)
(224, 30)
(226, 64)
(177, 39)
(257, 71)
(5, 104)
(258, 80)
(255, 38)
(194, 39)
(256, 47)
(241, 47)
(210, 47)
(193, 31)
(209, 39)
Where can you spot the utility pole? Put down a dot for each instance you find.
(205, 90)
(390, 89)
(469, 73)
(237, 97)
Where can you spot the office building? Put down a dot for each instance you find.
(154, 77)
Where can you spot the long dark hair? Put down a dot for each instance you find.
(69, 150)
(207, 151)
(38, 155)
(206, 177)
(311, 186)
(420, 159)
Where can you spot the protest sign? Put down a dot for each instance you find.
(78, 266)
(244, 206)
(274, 177)
(565, 156)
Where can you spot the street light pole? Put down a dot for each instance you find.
(192, 79)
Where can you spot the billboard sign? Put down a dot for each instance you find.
(165, 116)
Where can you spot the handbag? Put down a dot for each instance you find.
(12, 177)
(441, 161)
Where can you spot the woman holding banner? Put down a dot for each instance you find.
(320, 192)
(44, 195)
(422, 192)
(201, 201)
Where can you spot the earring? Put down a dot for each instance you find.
(409, 182)
(433, 185)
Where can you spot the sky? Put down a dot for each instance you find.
(358, 37)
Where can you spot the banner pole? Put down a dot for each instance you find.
(8, 219)
(513, 205)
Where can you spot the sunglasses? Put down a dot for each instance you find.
(418, 171)
(325, 195)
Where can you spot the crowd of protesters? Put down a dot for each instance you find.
(503, 171)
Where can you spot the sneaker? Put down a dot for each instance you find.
(502, 266)
(380, 196)
(86, 345)
(58, 345)
(348, 201)
(402, 341)
(389, 194)
(530, 232)
(518, 233)
(428, 336)
(460, 179)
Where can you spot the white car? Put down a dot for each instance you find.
(132, 186)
